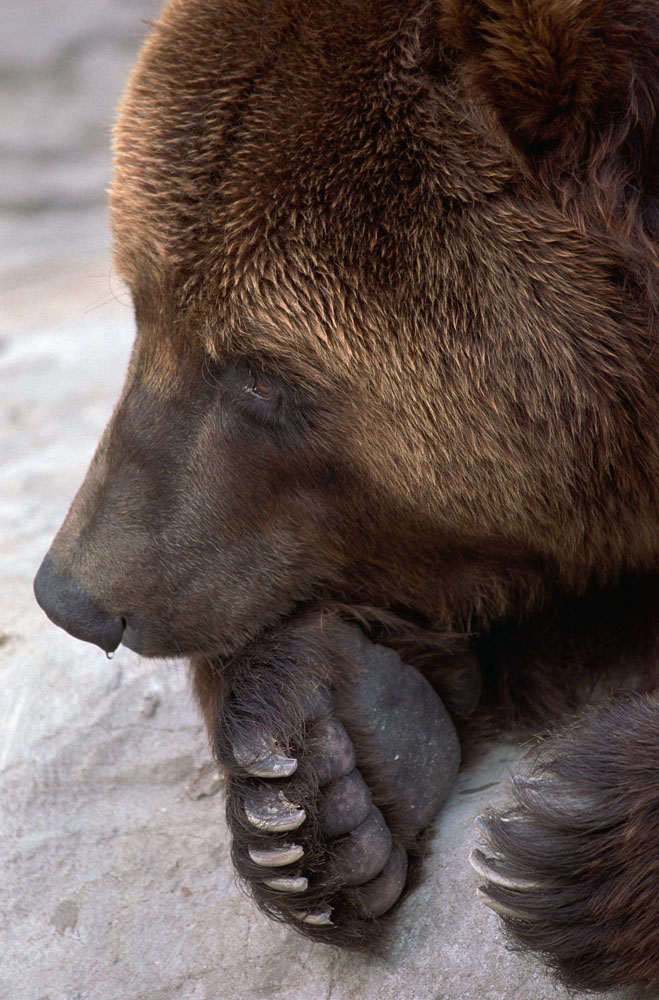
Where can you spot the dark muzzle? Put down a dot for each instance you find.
(67, 605)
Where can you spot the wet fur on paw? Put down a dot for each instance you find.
(571, 868)
(352, 754)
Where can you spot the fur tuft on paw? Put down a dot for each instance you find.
(338, 756)
(572, 867)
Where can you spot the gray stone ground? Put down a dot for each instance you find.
(116, 879)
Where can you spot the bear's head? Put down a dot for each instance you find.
(384, 260)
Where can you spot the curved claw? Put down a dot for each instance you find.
(484, 823)
(260, 758)
(272, 812)
(321, 919)
(275, 857)
(527, 781)
(488, 868)
(284, 883)
(502, 908)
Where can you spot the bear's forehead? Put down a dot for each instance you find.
(277, 161)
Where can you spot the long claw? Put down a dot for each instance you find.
(532, 783)
(322, 919)
(275, 857)
(260, 758)
(488, 869)
(484, 827)
(502, 908)
(288, 883)
(272, 812)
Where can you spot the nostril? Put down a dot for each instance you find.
(68, 605)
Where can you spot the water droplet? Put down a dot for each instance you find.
(110, 655)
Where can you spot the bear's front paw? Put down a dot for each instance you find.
(571, 867)
(325, 814)
(304, 836)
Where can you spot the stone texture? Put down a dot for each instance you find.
(116, 875)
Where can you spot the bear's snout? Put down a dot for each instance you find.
(67, 605)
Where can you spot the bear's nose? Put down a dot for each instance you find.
(67, 605)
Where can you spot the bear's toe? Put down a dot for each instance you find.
(362, 855)
(346, 803)
(379, 895)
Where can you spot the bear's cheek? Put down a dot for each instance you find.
(189, 531)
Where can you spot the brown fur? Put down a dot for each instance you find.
(431, 227)
(589, 844)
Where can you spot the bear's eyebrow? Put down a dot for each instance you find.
(285, 368)
(263, 345)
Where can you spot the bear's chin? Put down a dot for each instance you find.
(157, 640)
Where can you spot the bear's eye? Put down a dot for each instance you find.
(263, 400)
(261, 386)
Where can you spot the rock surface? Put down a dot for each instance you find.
(116, 878)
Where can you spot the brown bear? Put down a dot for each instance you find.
(396, 378)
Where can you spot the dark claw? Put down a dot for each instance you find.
(363, 854)
(346, 804)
